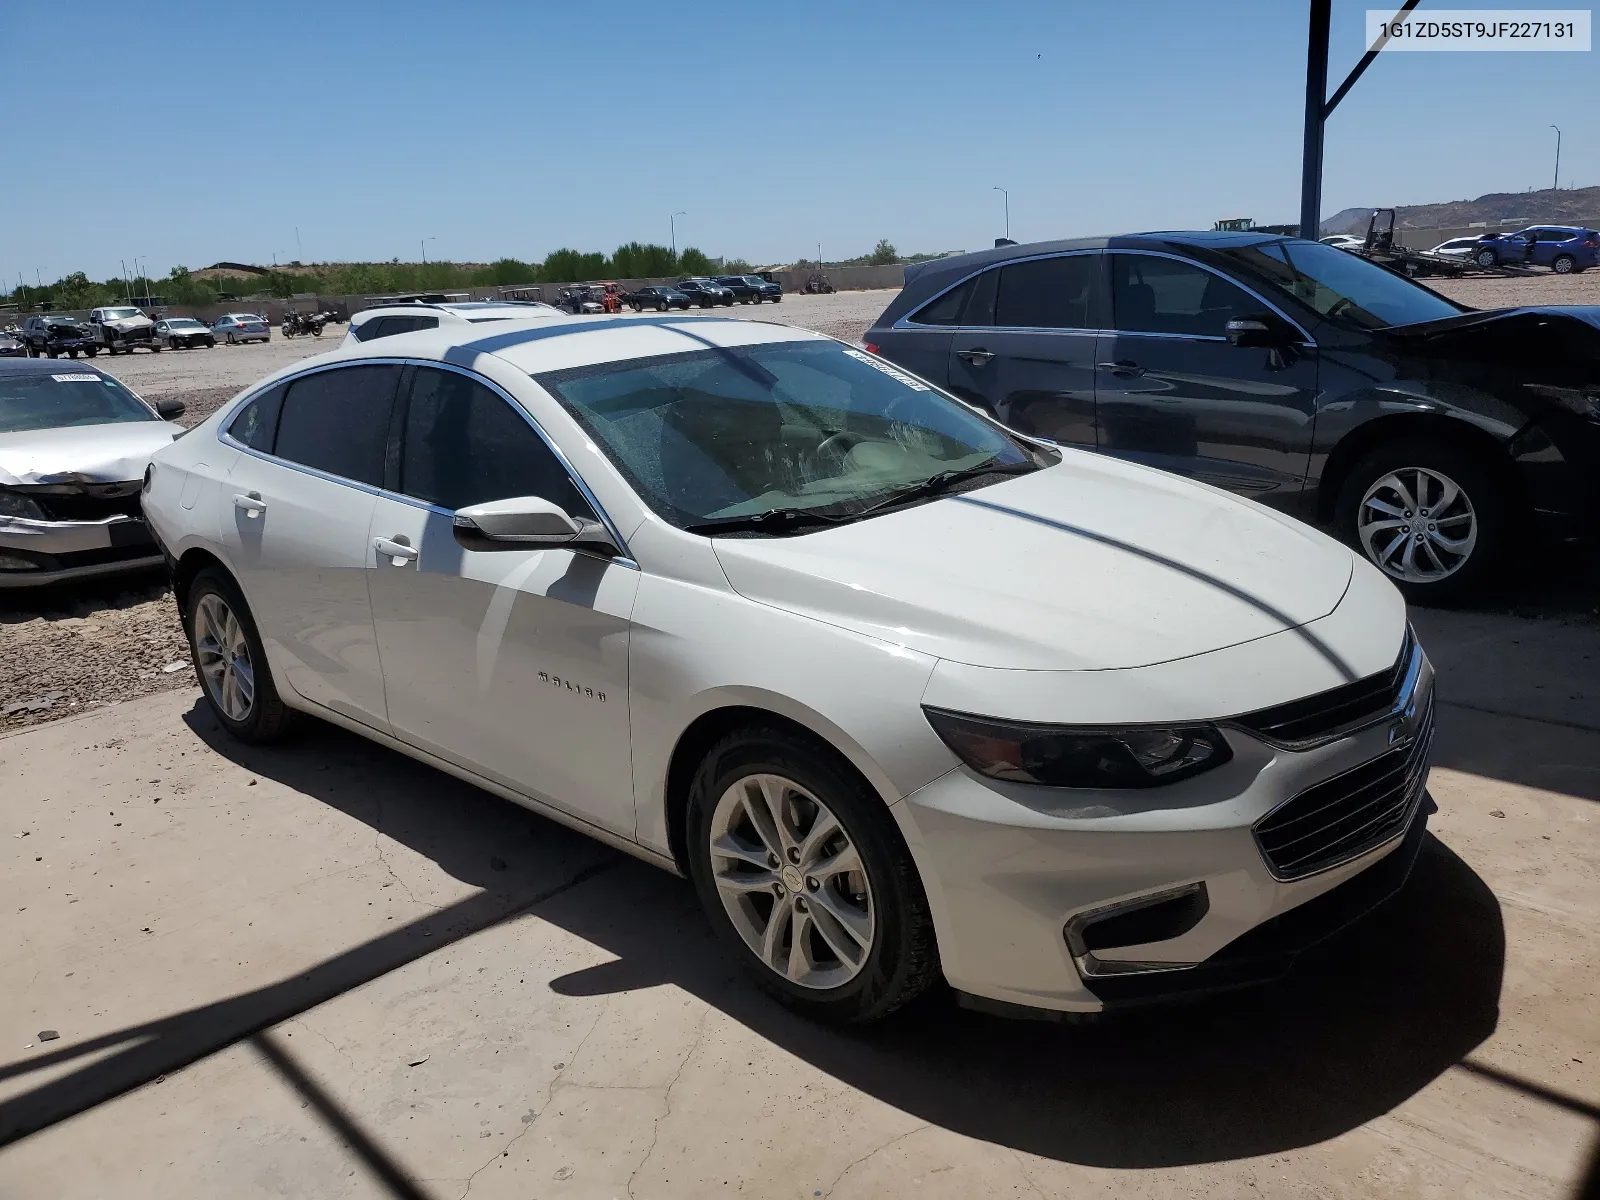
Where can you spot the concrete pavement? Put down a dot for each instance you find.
(321, 970)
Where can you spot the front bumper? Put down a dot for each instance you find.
(38, 553)
(1014, 887)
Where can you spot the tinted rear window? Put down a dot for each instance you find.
(338, 421)
(1046, 293)
(945, 309)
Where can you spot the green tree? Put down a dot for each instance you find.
(736, 266)
(883, 254)
(693, 262)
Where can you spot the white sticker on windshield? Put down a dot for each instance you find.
(77, 377)
(894, 373)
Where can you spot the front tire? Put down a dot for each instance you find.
(1432, 517)
(803, 872)
(230, 662)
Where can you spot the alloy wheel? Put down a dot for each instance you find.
(792, 881)
(1417, 525)
(223, 656)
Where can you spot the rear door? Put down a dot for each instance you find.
(296, 509)
(511, 663)
(1173, 393)
(1026, 346)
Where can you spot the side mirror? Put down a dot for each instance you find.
(1257, 331)
(528, 523)
(169, 409)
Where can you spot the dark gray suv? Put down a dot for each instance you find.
(1431, 435)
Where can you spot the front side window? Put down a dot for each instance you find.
(1342, 287)
(465, 445)
(1165, 295)
(799, 429)
(1046, 293)
(338, 421)
(62, 399)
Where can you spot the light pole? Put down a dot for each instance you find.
(672, 224)
(1556, 183)
(299, 252)
(1007, 195)
(425, 242)
(819, 254)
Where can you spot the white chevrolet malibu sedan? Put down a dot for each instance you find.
(903, 692)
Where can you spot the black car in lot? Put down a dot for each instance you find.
(750, 289)
(57, 334)
(658, 297)
(1432, 437)
(705, 293)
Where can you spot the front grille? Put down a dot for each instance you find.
(82, 506)
(1343, 817)
(1335, 712)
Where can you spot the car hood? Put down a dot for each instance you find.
(1093, 564)
(1585, 319)
(83, 453)
(130, 323)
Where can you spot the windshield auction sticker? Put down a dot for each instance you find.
(79, 377)
(911, 381)
(1479, 29)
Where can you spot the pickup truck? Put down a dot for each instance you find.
(751, 289)
(121, 328)
(57, 334)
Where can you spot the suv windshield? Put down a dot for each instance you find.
(56, 401)
(810, 430)
(1342, 286)
(119, 314)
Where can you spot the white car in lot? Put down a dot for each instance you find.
(903, 693)
(387, 320)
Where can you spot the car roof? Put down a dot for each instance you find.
(512, 309)
(42, 366)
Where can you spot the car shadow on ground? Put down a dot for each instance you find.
(1365, 1022)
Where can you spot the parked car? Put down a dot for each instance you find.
(55, 334)
(73, 448)
(1461, 247)
(659, 297)
(11, 347)
(750, 289)
(390, 319)
(121, 328)
(184, 333)
(705, 293)
(1344, 241)
(903, 692)
(1429, 435)
(1565, 249)
(236, 328)
(579, 299)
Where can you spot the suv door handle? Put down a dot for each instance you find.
(977, 357)
(399, 551)
(1124, 368)
(252, 503)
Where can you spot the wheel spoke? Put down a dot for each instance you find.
(1408, 560)
(760, 818)
(847, 859)
(746, 881)
(1387, 553)
(1406, 499)
(729, 846)
(1448, 491)
(854, 928)
(1426, 550)
(772, 937)
(801, 961)
(1380, 526)
(244, 680)
(1384, 506)
(822, 830)
(1460, 545)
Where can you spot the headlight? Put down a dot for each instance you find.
(15, 504)
(1073, 756)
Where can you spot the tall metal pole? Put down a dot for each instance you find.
(672, 223)
(1316, 97)
(1556, 183)
(1007, 195)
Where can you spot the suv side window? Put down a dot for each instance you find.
(1046, 293)
(257, 423)
(1163, 295)
(465, 445)
(946, 309)
(338, 421)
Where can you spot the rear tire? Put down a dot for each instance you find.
(264, 717)
(1487, 258)
(1455, 537)
(882, 898)
(91, 351)
(1564, 264)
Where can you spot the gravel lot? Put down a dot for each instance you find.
(77, 648)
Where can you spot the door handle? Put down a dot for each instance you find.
(1125, 369)
(977, 357)
(252, 503)
(399, 550)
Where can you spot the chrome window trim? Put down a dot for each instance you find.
(906, 324)
(622, 559)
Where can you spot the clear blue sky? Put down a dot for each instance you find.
(516, 128)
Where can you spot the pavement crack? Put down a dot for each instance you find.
(839, 1178)
(655, 1129)
(377, 848)
(324, 1038)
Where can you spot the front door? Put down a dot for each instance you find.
(294, 520)
(513, 664)
(1027, 346)
(1173, 393)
